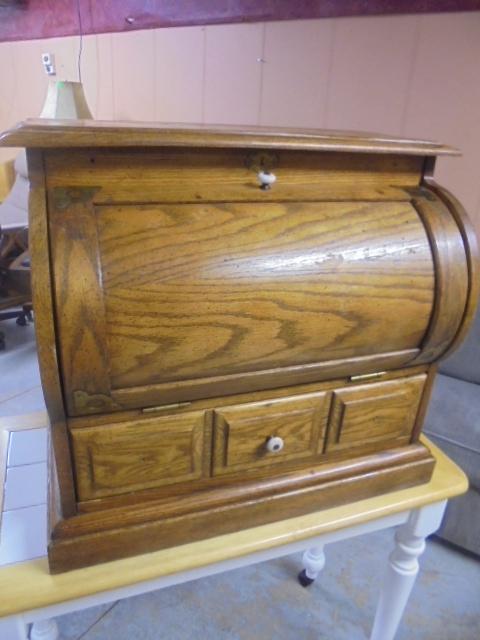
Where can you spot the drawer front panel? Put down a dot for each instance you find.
(372, 416)
(214, 175)
(242, 432)
(140, 454)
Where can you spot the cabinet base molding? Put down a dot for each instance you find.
(110, 534)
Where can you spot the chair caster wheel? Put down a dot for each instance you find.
(304, 580)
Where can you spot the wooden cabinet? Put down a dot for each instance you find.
(234, 325)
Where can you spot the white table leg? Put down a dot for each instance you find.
(403, 568)
(44, 630)
(313, 562)
(13, 628)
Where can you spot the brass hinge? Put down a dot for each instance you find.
(367, 376)
(165, 407)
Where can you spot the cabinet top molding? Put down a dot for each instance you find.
(94, 133)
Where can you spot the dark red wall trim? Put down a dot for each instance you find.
(31, 19)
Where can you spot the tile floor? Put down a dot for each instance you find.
(264, 602)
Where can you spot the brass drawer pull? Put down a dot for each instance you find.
(275, 444)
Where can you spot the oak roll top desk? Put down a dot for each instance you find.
(234, 326)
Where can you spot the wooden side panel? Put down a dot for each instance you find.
(137, 455)
(373, 416)
(241, 432)
(45, 330)
(180, 175)
(472, 254)
(451, 277)
(80, 311)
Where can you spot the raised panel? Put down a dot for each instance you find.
(374, 414)
(241, 432)
(140, 454)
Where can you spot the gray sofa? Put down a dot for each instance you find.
(453, 422)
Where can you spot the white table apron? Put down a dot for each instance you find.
(414, 526)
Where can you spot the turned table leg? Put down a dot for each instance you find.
(403, 568)
(313, 562)
(44, 630)
(13, 628)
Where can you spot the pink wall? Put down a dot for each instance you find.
(408, 75)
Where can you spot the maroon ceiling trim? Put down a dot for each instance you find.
(32, 19)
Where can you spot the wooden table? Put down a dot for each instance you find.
(31, 595)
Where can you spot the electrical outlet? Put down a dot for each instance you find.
(48, 61)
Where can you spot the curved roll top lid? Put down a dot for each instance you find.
(194, 301)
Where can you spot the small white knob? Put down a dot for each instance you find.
(275, 444)
(266, 179)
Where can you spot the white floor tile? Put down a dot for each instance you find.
(25, 402)
(23, 535)
(27, 446)
(25, 486)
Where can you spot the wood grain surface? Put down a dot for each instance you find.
(79, 304)
(28, 585)
(247, 287)
(180, 175)
(451, 277)
(144, 455)
(141, 454)
(241, 432)
(44, 133)
(374, 477)
(42, 296)
(472, 255)
(197, 315)
(382, 413)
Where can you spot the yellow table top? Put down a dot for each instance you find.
(28, 585)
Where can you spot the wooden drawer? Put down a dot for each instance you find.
(221, 175)
(140, 454)
(242, 432)
(374, 416)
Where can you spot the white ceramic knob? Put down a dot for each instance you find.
(275, 444)
(266, 179)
